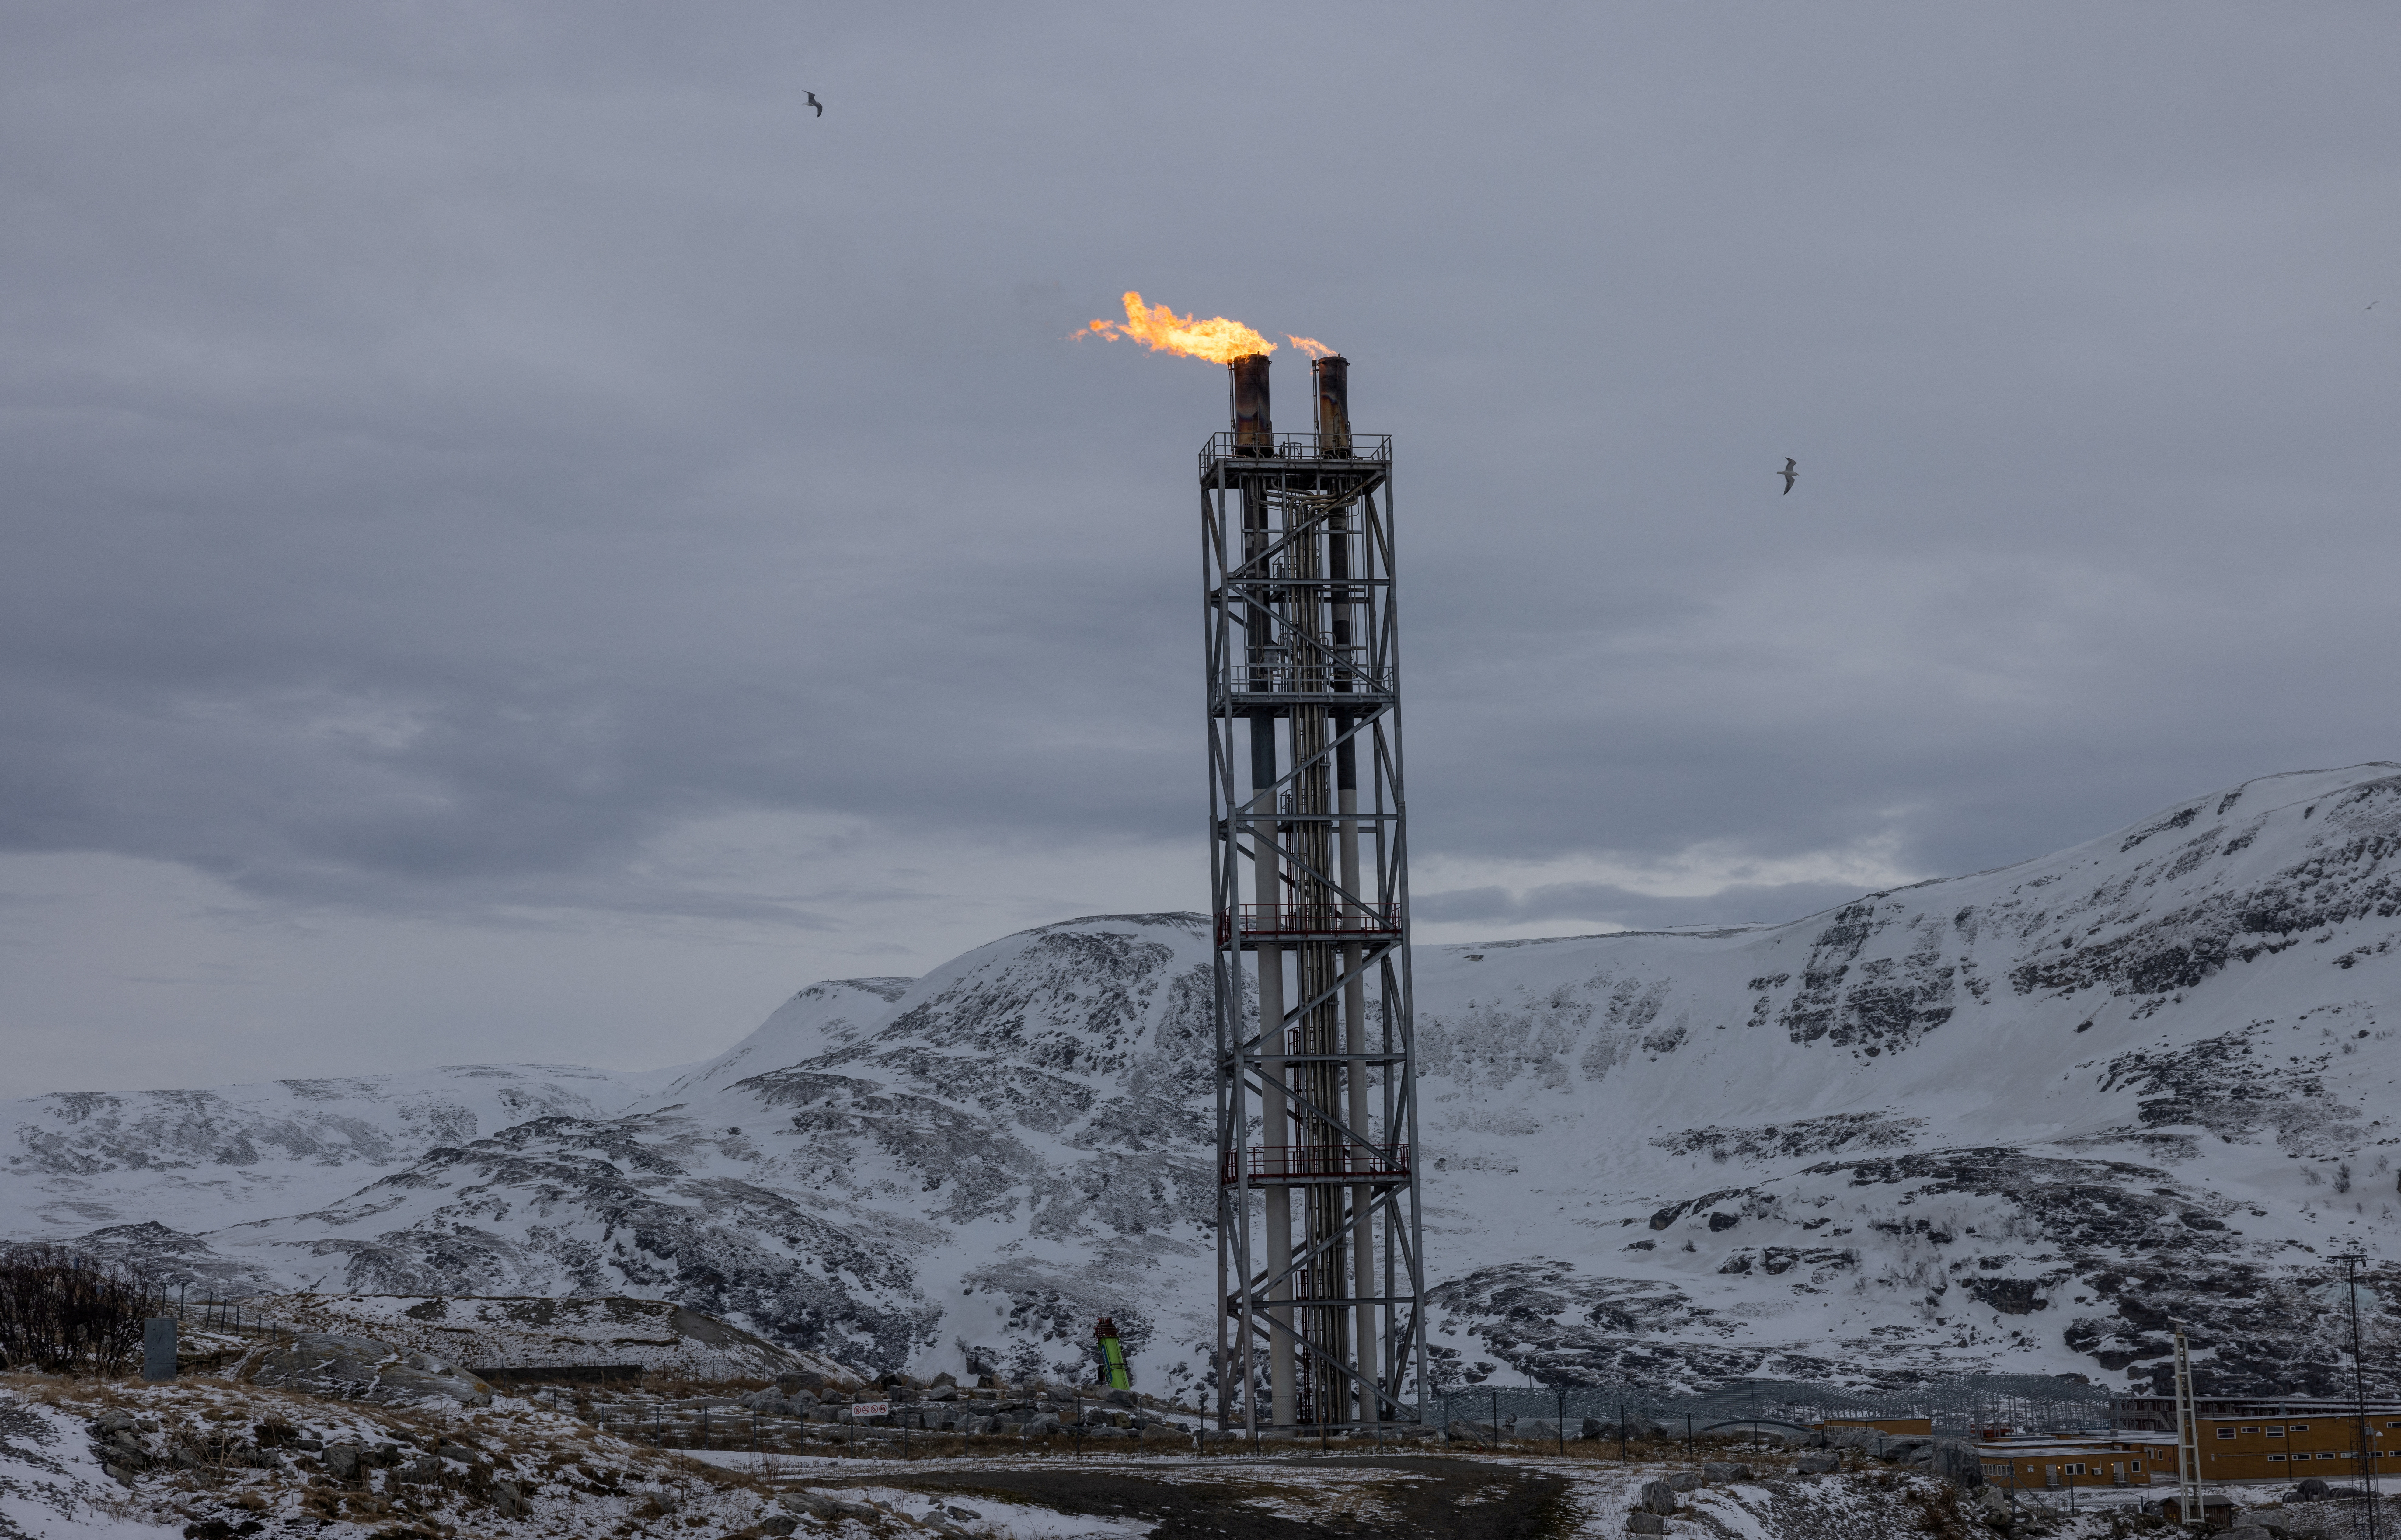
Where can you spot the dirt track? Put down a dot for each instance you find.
(1404, 1498)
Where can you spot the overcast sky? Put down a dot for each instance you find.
(523, 542)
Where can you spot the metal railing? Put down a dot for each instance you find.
(1318, 1163)
(1314, 920)
(1373, 448)
(1308, 679)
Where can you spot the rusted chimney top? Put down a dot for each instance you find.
(1253, 434)
(1333, 374)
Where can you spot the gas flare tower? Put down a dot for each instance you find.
(1319, 1256)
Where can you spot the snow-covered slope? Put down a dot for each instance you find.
(2020, 1117)
(200, 1159)
(1020, 1140)
(2016, 1119)
(820, 1018)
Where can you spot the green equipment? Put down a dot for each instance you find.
(1114, 1372)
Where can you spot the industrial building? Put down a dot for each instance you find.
(2047, 1461)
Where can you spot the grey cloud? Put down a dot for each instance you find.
(447, 449)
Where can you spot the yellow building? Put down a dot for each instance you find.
(2285, 1441)
(2240, 1441)
(2077, 1460)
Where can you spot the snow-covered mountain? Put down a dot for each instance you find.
(2017, 1120)
(202, 1158)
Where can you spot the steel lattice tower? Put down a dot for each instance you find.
(1316, 1097)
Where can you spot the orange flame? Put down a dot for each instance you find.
(1215, 339)
(1310, 344)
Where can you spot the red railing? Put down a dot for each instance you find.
(1318, 1163)
(1271, 921)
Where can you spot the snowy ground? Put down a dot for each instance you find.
(253, 1461)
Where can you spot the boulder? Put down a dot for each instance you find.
(342, 1462)
(821, 1505)
(2247, 1532)
(1540, 1429)
(1724, 1470)
(1859, 1438)
(364, 1368)
(1641, 1522)
(1818, 1463)
(1956, 1462)
(1684, 1481)
(1659, 1497)
(1121, 1398)
(509, 1499)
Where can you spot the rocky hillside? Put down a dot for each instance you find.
(201, 1159)
(2017, 1120)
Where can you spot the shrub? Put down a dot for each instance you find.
(68, 1314)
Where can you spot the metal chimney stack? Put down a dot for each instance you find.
(1254, 431)
(1333, 374)
(1318, 1226)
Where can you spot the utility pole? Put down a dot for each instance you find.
(2188, 1439)
(2366, 1442)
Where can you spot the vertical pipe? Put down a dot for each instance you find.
(1317, 1076)
(1267, 868)
(1262, 648)
(1355, 990)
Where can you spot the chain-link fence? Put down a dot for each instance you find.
(1958, 1406)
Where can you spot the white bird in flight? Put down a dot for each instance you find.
(1789, 474)
(814, 103)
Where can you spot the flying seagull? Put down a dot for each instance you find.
(814, 103)
(1789, 474)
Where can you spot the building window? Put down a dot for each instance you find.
(2075, 1470)
(2297, 1427)
(2226, 1433)
(2276, 1433)
(2275, 1459)
(2133, 1465)
(2250, 1430)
